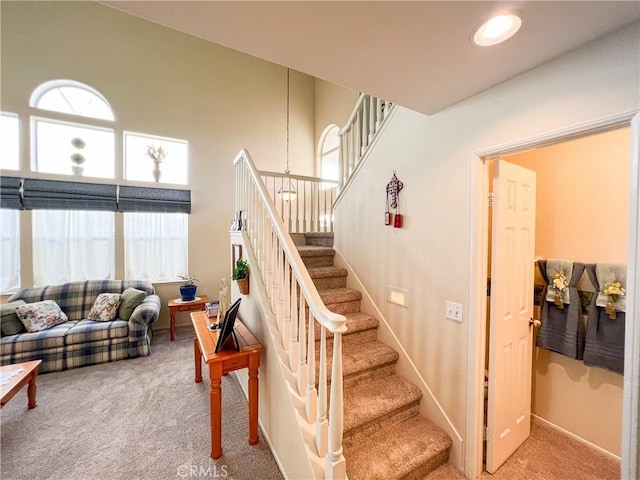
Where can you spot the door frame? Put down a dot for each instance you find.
(478, 245)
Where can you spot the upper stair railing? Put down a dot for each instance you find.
(305, 204)
(358, 134)
(297, 306)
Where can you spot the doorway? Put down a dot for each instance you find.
(477, 302)
(568, 211)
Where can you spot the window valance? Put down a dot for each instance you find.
(34, 194)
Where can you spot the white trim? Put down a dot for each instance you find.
(477, 288)
(577, 438)
(631, 391)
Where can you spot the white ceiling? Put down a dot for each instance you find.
(415, 53)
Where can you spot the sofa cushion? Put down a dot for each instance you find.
(10, 324)
(30, 342)
(40, 316)
(90, 331)
(105, 308)
(131, 298)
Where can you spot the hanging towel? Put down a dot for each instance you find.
(558, 266)
(607, 273)
(604, 346)
(562, 330)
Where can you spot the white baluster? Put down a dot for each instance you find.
(293, 342)
(302, 347)
(322, 431)
(378, 113)
(311, 397)
(335, 466)
(286, 307)
(372, 118)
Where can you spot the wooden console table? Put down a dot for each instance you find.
(177, 305)
(221, 363)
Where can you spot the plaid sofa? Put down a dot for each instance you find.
(79, 341)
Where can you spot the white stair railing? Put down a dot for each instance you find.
(357, 135)
(297, 305)
(305, 204)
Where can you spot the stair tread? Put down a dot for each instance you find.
(361, 357)
(367, 401)
(445, 472)
(326, 272)
(315, 251)
(338, 295)
(319, 234)
(396, 451)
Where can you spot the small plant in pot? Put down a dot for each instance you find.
(188, 288)
(241, 275)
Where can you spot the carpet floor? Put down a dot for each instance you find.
(143, 418)
(550, 455)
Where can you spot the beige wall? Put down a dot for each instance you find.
(433, 156)
(582, 211)
(166, 83)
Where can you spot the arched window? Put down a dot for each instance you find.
(68, 148)
(75, 98)
(329, 153)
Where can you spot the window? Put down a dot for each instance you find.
(10, 251)
(10, 141)
(155, 246)
(72, 245)
(75, 98)
(72, 149)
(170, 166)
(329, 154)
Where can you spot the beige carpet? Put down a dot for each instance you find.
(549, 455)
(142, 418)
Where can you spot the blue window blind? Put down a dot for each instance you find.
(10, 193)
(58, 195)
(161, 200)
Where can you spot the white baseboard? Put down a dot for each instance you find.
(613, 456)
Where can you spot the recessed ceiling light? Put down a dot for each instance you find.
(497, 30)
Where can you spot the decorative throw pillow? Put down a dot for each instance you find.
(105, 308)
(10, 324)
(39, 316)
(131, 298)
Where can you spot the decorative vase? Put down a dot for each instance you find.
(243, 285)
(188, 292)
(157, 173)
(77, 170)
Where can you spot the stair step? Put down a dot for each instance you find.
(361, 328)
(445, 472)
(313, 256)
(328, 277)
(371, 406)
(362, 362)
(341, 300)
(322, 239)
(411, 449)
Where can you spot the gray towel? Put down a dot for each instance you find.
(558, 266)
(604, 345)
(562, 330)
(607, 273)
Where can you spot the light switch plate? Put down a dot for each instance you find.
(454, 311)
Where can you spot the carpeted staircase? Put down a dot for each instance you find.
(385, 437)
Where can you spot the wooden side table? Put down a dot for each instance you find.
(177, 305)
(27, 376)
(221, 363)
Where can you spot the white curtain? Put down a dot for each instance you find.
(10, 251)
(155, 246)
(72, 245)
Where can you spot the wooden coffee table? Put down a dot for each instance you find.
(28, 375)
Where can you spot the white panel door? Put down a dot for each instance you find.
(510, 345)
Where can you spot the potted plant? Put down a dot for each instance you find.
(241, 275)
(188, 287)
(77, 158)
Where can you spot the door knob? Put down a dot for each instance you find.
(535, 323)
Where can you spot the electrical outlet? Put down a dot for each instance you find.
(454, 311)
